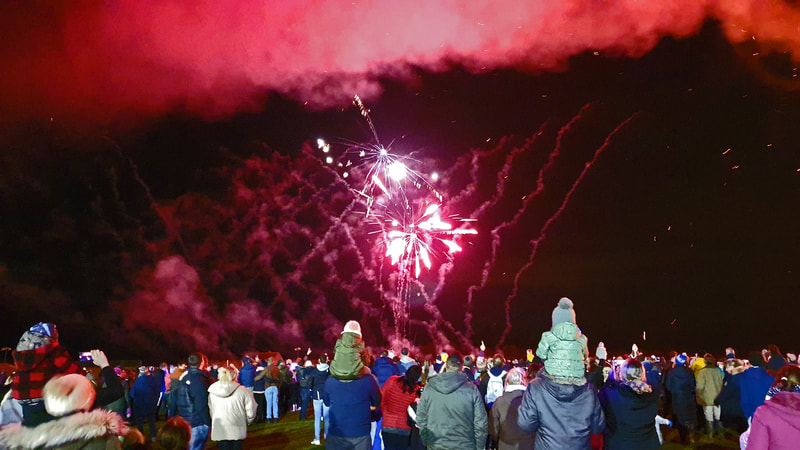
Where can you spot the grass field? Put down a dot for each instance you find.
(290, 433)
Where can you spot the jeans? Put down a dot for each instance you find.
(305, 397)
(272, 402)
(320, 412)
(199, 437)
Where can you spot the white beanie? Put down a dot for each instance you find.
(65, 394)
(563, 312)
(352, 327)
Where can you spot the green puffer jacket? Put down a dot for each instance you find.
(348, 357)
(564, 350)
(451, 413)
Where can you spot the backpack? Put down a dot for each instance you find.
(494, 388)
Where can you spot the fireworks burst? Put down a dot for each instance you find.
(391, 191)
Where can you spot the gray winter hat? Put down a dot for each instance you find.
(563, 312)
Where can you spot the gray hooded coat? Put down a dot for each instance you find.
(563, 416)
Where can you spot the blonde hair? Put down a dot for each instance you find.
(64, 394)
(224, 375)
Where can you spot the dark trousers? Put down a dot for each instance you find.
(284, 391)
(305, 397)
(396, 441)
(230, 445)
(151, 422)
(261, 406)
(343, 443)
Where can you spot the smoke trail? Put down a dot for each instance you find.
(543, 232)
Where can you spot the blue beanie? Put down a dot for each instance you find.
(680, 359)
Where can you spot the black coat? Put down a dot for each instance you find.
(681, 384)
(318, 378)
(630, 418)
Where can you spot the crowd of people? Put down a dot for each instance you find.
(560, 396)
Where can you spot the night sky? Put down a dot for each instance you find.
(161, 189)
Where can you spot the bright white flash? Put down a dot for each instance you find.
(397, 171)
(434, 176)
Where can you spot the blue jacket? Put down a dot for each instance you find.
(383, 369)
(144, 394)
(247, 374)
(189, 397)
(350, 402)
(753, 384)
(260, 385)
(682, 385)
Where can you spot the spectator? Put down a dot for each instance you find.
(284, 389)
(563, 415)
(405, 362)
(232, 407)
(190, 399)
(630, 407)
(144, 400)
(174, 435)
(451, 412)
(682, 386)
(38, 357)
(496, 381)
(753, 384)
(730, 353)
(304, 379)
(321, 412)
(709, 385)
(776, 360)
(349, 357)
(272, 380)
(564, 348)
(10, 408)
(259, 387)
(601, 352)
(730, 398)
(383, 368)
(247, 374)
(351, 404)
(503, 427)
(68, 399)
(397, 394)
(776, 423)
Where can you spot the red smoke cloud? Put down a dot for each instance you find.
(216, 57)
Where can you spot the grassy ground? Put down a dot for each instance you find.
(291, 433)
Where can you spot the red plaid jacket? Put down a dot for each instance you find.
(35, 367)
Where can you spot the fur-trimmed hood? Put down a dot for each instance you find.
(83, 426)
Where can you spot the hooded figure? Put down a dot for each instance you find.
(232, 408)
(563, 416)
(68, 399)
(451, 410)
(38, 357)
(349, 357)
(564, 349)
